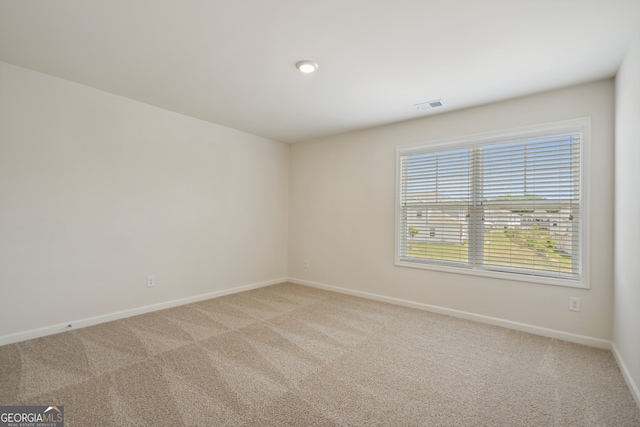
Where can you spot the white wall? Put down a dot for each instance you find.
(341, 215)
(626, 330)
(99, 191)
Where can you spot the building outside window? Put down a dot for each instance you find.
(507, 204)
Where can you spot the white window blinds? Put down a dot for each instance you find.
(509, 204)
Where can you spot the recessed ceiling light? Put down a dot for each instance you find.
(306, 66)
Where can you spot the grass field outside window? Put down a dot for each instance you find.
(495, 244)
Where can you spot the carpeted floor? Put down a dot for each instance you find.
(293, 355)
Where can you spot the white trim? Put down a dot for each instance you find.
(90, 321)
(544, 280)
(498, 136)
(524, 327)
(581, 124)
(633, 387)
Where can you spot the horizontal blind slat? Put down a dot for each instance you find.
(446, 194)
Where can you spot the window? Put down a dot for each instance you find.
(508, 204)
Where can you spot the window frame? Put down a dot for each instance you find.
(581, 125)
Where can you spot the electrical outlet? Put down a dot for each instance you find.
(305, 264)
(151, 281)
(574, 303)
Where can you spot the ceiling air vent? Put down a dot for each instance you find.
(429, 104)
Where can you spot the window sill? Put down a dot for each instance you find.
(581, 284)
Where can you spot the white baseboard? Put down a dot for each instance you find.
(82, 323)
(635, 391)
(537, 330)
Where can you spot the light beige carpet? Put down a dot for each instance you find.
(294, 355)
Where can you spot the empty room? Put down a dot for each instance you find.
(337, 213)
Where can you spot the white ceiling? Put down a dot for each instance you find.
(232, 62)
